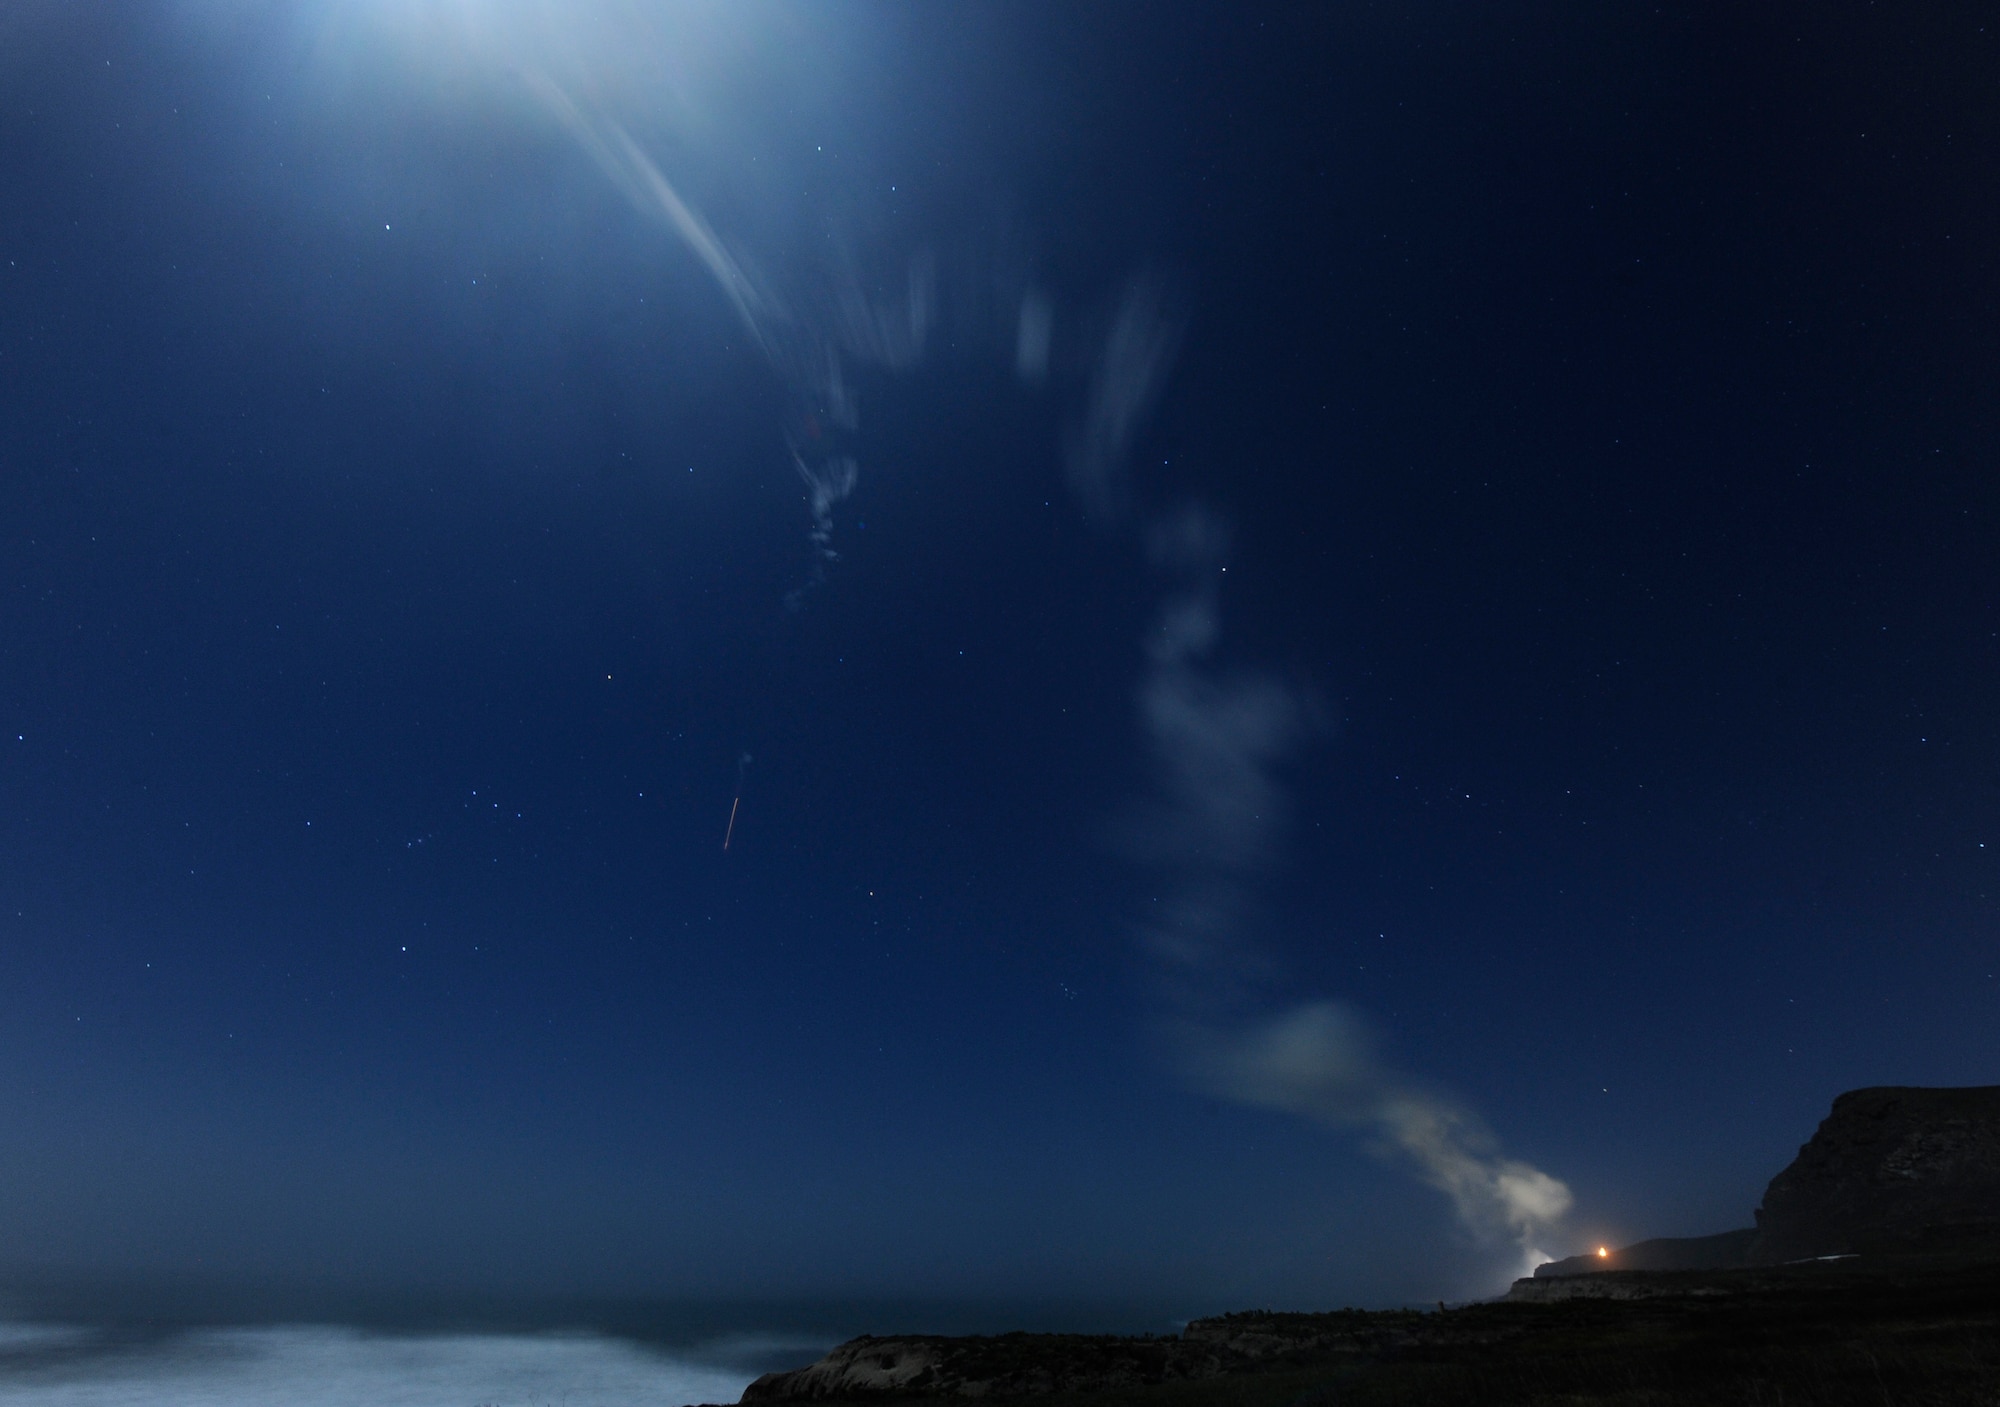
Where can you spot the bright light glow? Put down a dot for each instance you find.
(684, 64)
(1602, 1252)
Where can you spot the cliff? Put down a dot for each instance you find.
(1890, 1170)
(1894, 1171)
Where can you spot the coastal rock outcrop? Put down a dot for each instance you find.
(1891, 1170)
(1895, 1170)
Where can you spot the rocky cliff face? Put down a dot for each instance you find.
(1891, 1170)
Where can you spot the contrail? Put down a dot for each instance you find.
(1217, 819)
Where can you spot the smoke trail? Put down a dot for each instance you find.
(1218, 814)
(1317, 1061)
(1217, 818)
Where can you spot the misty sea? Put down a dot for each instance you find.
(59, 1365)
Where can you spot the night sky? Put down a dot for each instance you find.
(1395, 666)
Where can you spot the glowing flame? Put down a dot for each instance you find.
(1603, 1253)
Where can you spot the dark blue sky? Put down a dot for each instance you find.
(402, 546)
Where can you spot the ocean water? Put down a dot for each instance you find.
(307, 1365)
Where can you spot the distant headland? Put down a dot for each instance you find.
(1892, 1171)
(1872, 1275)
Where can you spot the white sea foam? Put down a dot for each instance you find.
(319, 1366)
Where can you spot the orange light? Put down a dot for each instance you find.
(1602, 1253)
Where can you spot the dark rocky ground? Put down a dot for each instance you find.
(1917, 1331)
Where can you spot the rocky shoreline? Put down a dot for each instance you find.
(1036, 1365)
(1857, 1332)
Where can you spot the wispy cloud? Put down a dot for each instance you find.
(635, 174)
(1034, 330)
(1131, 369)
(808, 336)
